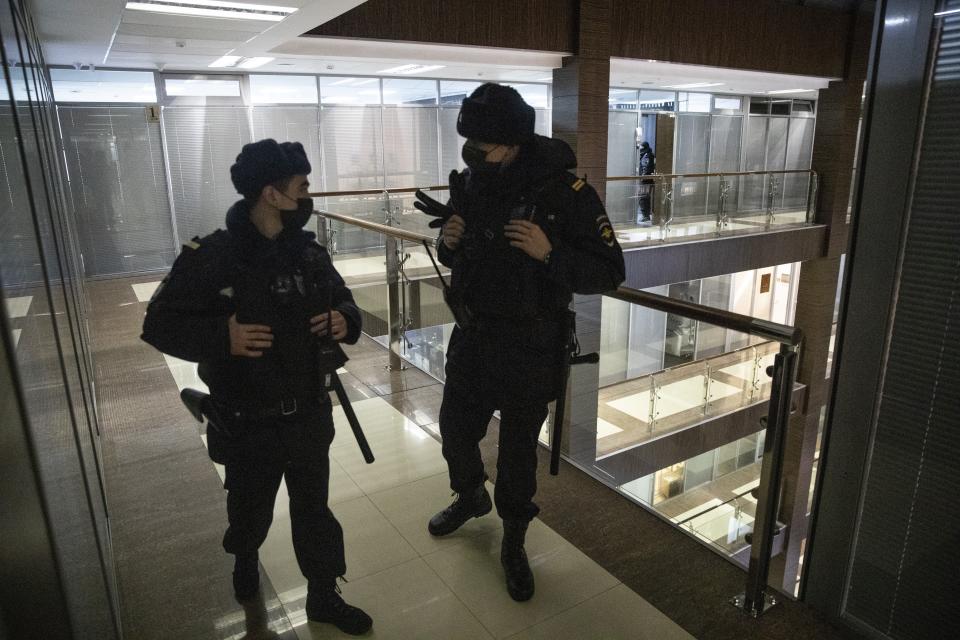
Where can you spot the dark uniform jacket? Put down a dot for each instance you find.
(281, 283)
(648, 162)
(502, 282)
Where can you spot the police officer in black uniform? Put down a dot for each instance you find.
(527, 234)
(261, 308)
(647, 164)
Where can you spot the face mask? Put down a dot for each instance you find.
(295, 219)
(476, 159)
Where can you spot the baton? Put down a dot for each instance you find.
(352, 418)
(558, 414)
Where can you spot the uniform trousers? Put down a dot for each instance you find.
(296, 449)
(513, 368)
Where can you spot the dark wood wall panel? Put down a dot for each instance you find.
(540, 25)
(761, 35)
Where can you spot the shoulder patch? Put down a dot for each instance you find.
(605, 231)
(193, 244)
(576, 186)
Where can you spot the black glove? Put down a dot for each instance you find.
(443, 212)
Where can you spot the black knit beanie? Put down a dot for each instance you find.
(495, 113)
(266, 162)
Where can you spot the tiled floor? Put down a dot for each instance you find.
(18, 307)
(167, 514)
(418, 586)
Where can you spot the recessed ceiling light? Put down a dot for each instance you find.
(408, 69)
(695, 85)
(253, 63)
(214, 9)
(225, 61)
(790, 91)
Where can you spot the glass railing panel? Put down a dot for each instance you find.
(636, 409)
(697, 206)
(348, 238)
(660, 374)
(425, 320)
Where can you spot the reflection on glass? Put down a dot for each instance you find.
(43, 299)
(535, 95)
(401, 91)
(452, 92)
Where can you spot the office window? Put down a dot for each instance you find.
(70, 85)
(204, 87)
(697, 102)
(453, 92)
(657, 100)
(349, 91)
(20, 91)
(727, 103)
(266, 89)
(400, 91)
(622, 98)
(535, 95)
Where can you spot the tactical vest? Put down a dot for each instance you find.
(281, 287)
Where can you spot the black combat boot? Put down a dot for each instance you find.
(324, 604)
(246, 576)
(514, 560)
(468, 505)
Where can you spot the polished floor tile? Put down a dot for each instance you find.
(616, 613)
(144, 290)
(406, 602)
(564, 577)
(415, 585)
(605, 428)
(18, 307)
(185, 374)
(403, 451)
(409, 507)
(372, 543)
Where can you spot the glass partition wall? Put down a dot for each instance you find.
(701, 133)
(45, 308)
(148, 155)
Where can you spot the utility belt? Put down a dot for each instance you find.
(284, 408)
(506, 324)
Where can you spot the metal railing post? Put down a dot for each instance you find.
(722, 218)
(394, 291)
(773, 190)
(812, 192)
(755, 600)
(666, 196)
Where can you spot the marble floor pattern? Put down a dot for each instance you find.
(418, 586)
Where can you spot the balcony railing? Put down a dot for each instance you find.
(381, 246)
